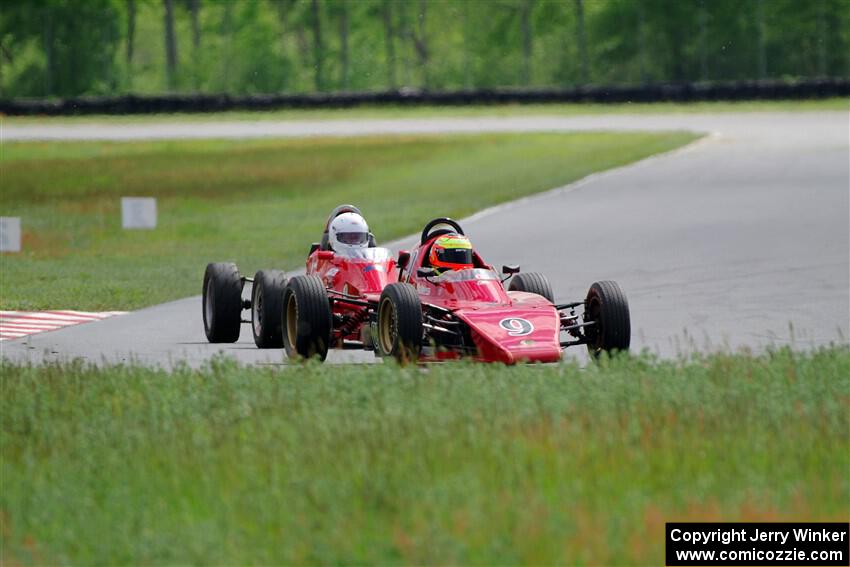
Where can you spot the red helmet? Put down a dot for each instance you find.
(451, 252)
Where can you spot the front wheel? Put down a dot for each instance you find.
(307, 319)
(222, 303)
(607, 308)
(266, 308)
(400, 323)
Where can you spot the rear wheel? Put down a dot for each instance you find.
(532, 283)
(267, 308)
(307, 321)
(222, 302)
(606, 306)
(399, 323)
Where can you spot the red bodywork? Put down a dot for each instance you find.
(504, 326)
(353, 283)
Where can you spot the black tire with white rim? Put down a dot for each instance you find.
(399, 323)
(606, 306)
(222, 302)
(267, 308)
(307, 319)
(532, 283)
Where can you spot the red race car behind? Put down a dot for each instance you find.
(328, 307)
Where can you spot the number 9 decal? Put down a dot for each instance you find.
(516, 327)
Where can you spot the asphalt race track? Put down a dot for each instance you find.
(722, 244)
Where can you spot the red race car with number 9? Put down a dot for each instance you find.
(440, 301)
(449, 303)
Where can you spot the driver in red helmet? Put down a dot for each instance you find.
(451, 252)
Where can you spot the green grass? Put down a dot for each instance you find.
(260, 202)
(453, 464)
(365, 112)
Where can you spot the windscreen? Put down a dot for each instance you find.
(366, 254)
(469, 274)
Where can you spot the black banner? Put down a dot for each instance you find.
(653, 92)
(758, 544)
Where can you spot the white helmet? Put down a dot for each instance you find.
(348, 231)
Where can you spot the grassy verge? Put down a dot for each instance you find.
(451, 111)
(258, 202)
(456, 464)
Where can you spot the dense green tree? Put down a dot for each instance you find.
(72, 47)
(170, 44)
(60, 47)
(131, 31)
(581, 38)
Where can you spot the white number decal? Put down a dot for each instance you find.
(516, 327)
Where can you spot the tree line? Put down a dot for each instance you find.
(75, 47)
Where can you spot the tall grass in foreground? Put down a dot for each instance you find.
(452, 464)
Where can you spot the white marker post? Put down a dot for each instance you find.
(138, 212)
(10, 234)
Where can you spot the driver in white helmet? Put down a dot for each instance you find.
(348, 234)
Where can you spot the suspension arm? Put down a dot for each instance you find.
(573, 305)
(437, 328)
(347, 301)
(578, 326)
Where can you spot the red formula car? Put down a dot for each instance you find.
(434, 315)
(330, 306)
(410, 309)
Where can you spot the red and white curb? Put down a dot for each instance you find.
(17, 324)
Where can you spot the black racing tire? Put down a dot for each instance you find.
(399, 323)
(222, 302)
(532, 283)
(267, 308)
(306, 318)
(606, 306)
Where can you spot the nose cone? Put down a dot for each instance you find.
(529, 333)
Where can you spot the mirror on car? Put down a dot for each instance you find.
(403, 259)
(326, 255)
(510, 269)
(426, 272)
